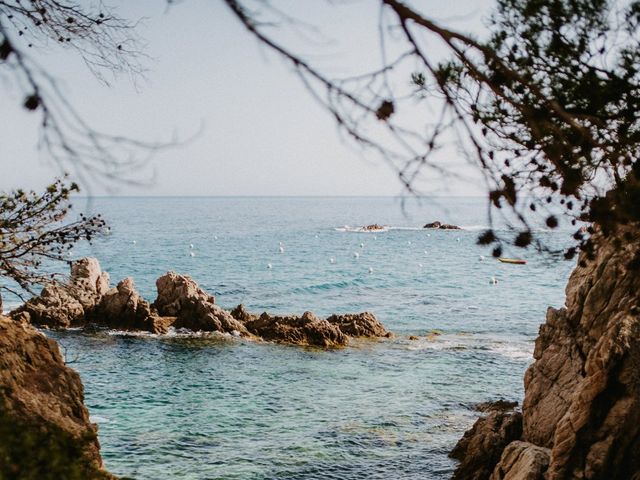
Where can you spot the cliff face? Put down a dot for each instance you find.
(581, 412)
(45, 432)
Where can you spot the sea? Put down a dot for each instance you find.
(190, 406)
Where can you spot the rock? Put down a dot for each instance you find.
(305, 330)
(413, 337)
(56, 307)
(522, 461)
(481, 447)
(496, 406)
(588, 411)
(122, 308)
(373, 227)
(177, 292)
(442, 226)
(45, 430)
(241, 314)
(359, 325)
(582, 394)
(88, 282)
(65, 305)
(179, 296)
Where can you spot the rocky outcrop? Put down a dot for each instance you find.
(45, 432)
(359, 325)
(180, 296)
(181, 304)
(304, 330)
(67, 304)
(582, 394)
(480, 449)
(122, 308)
(442, 226)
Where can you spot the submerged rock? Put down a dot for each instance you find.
(582, 394)
(305, 330)
(496, 406)
(45, 431)
(359, 325)
(442, 226)
(66, 305)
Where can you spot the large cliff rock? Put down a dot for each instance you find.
(581, 412)
(45, 432)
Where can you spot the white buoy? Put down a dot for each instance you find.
(269, 266)
(420, 265)
(493, 281)
(192, 254)
(482, 258)
(458, 239)
(69, 253)
(215, 237)
(191, 246)
(134, 242)
(356, 254)
(362, 245)
(409, 242)
(426, 253)
(375, 237)
(428, 234)
(317, 236)
(281, 244)
(370, 270)
(332, 260)
(281, 249)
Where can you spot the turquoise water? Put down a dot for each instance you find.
(196, 408)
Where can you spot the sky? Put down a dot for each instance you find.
(249, 125)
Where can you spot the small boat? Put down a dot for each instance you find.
(516, 261)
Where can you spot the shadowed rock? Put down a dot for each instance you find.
(522, 461)
(305, 330)
(45, 431)
(481, 447)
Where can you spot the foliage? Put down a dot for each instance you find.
(32, 231)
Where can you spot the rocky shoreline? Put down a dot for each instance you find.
(581, 413)
(87, 300)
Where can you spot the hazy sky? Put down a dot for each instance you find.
(262, 133)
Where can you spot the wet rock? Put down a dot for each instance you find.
(481, 447)
(359, 325)
(45, 430)
(305, 330)
(522, 461)
(179, 296)
(442, 226)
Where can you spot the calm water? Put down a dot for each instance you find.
(196, 408)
